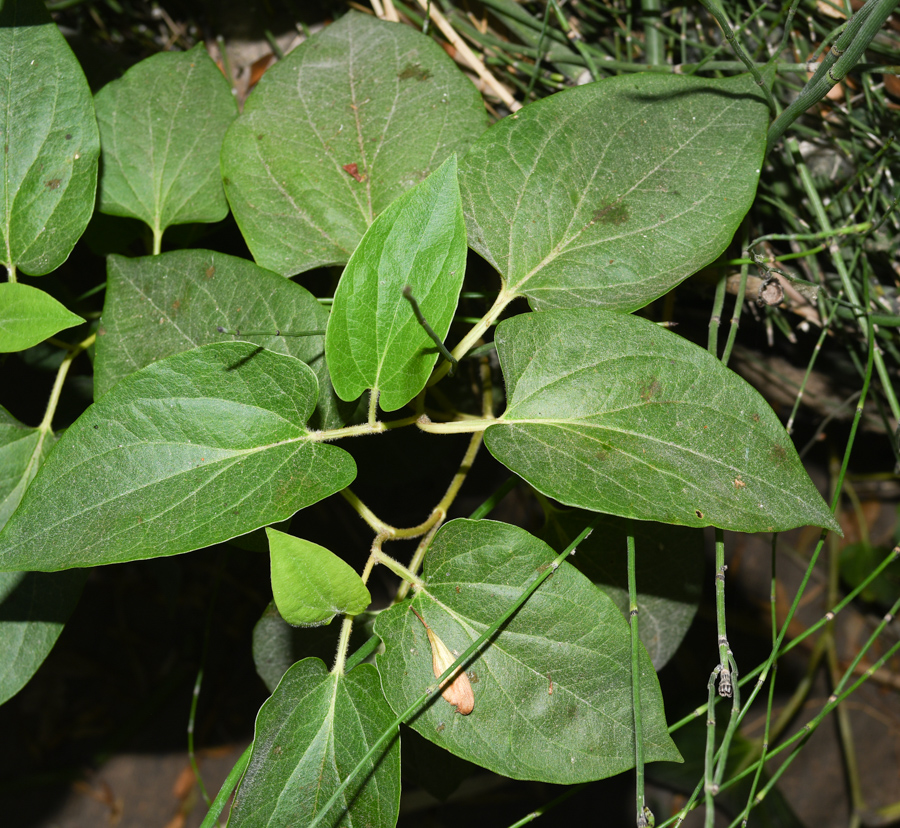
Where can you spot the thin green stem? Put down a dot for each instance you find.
(633, 613)
(228, 786)
(713, 7)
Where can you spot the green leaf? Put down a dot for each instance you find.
(28, 316)
(614, 192)
(568, 638)
(161, 128)
(50, 141)
(669, 571)
(362, 92)
(310, 583)
(309, 735)
(22, 450)
(157, 306)
(187, 452)
(612, 413)
(34, 607)
(374, 340)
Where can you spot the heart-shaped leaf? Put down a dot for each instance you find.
(157, 306)
(48, 178)
(310, 734)
(161, 128)
(311, 584)
(374, 340)
(28, 316)
(349, 121)
(614, 192)
(668, 571)
(187, 452)
(609, 412)
(552, 689)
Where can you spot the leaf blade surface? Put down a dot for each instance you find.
(552, 690)
(48, 178)
(611, 193)
(190, 451)
(374, 340)
(362, 98)
(609, 412)
(309, 735)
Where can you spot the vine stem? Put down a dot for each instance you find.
(61, 372)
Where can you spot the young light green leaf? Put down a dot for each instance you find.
(309, 735)
(552, 690)
(157, 306)
(161, 128)
(373, 339)
(187, 452)
(48, 178)
(669, 571)
(612, 413)
(310, 583)
(34, 607)
(614, 192)
(28, 316)
(349, 121)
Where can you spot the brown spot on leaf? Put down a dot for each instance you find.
(53, 183)
(353, 171)
(698, 513)
(413, 70)
(210, 272)
(777, 454)
(652, 389)
(739, 484)
(615, 213)
(176, 304)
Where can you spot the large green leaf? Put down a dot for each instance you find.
(310, 583)
(374, 340)
(668, 571)
(349, 121)
(28, 316)
(50, 141)
(612, 193)
(309, 735)
(187, 452)
(157, 306)
(612, 413)
(161, 128)
(553, 697)
(34, 607)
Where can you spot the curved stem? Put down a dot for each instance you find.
(60, 379)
